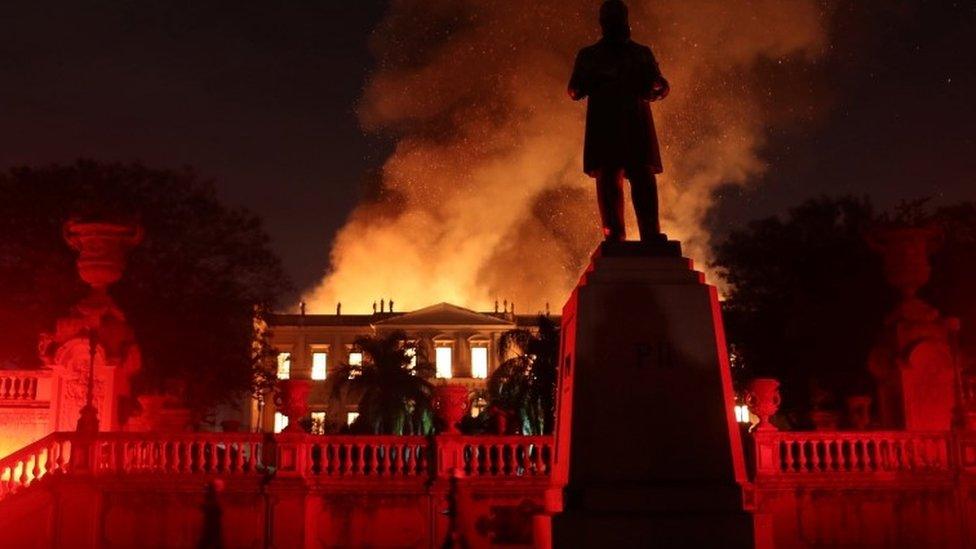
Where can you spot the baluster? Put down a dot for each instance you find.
(36, 471)
(51, 464)
(173, 456)
(215, 465)
(186, 459)
(515, 459)
(22, 478)
(59, 462)
(247, 457)
(786, 454)
(376, 459)
(362, 459)
(328, 459)
(239, 457)
(832, 446)
(908, 456)
(815, 447)
(393, 453)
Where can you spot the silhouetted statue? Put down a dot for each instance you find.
(620, 77)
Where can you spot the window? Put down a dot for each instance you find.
(281, 421)
(412, 353)
(318, 423)
(443, 357)
(742, 414)
(351, 417)
(319, 361)
(284, 365)
(479, 362)
(355, 358)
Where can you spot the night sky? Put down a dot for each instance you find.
(264, 101)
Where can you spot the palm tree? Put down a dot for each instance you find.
(525, 384)
(394, 395)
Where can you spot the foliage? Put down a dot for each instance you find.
(394, 397)
(192, 290)
(807, 296)
(525, 384)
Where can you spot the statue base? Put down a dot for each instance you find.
(647, 449)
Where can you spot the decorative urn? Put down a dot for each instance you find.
(101, 249)
(294, 402)
(450, 403)
(763, 400)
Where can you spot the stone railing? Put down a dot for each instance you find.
(49, 455)
(367, 456)
(178, 453)
(840, 454)
(316, 458)
(505, 456)
(24, 386)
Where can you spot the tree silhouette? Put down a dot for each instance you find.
(395, 397)
(524, 385)
(191, 290)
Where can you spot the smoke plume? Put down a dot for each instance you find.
(484, 196)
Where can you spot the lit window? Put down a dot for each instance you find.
(351, 417)
(318, 423)
(479, 362)
(355, 358)
(742, 413)
(281, 421)
(412, 354)
(319, 360)
(284, 365)
(444, 358)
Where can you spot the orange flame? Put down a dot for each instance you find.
(484, 197)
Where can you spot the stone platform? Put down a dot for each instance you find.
(647, 448)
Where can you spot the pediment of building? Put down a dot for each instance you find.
(444, 314)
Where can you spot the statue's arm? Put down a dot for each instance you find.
(578, 88)
(657, 87)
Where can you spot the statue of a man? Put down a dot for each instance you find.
(620, 78)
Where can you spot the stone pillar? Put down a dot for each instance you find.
(914, 360)
(101, 251)
(647, 447)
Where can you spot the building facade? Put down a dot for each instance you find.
(460, 343)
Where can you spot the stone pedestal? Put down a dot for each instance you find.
(647, 447)
(914, 360)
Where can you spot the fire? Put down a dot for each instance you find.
(484, 196)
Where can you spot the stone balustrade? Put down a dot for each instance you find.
(49, 455)
(786, 454)
(315, 458)
(23, 386)
(506, 456)
(367, 456)
(178, 453)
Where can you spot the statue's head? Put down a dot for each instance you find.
(614, 20)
